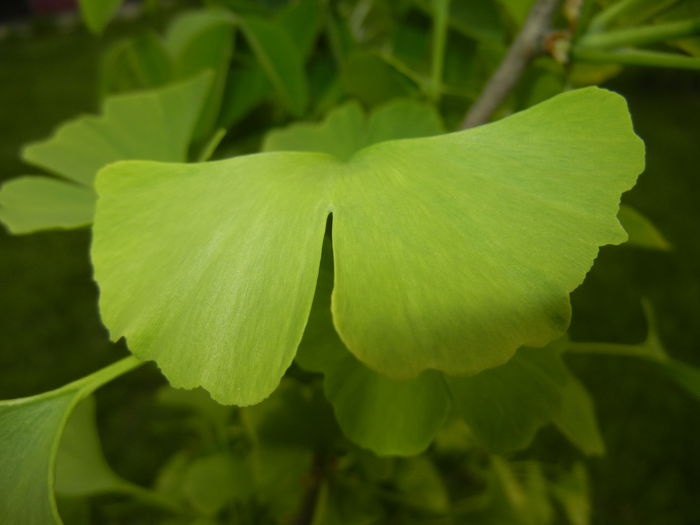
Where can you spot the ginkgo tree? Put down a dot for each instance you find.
(361, 296)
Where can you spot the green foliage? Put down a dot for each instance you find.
(383, 298)
(130, 127)
(30, 431)
(238, 217)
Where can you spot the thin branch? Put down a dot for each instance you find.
(527, 45)
(305, 515)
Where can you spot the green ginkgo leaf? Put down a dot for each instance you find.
(386, 416)
(450, 251)
(81, 468)
(347, 130)
(576, 418)
(30, 429)
(154, 124)
(30, 432)
(280, 58)
(505, 406)
(197, 41)
(32, 203)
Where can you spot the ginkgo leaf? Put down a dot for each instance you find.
(347, 130)
(453, 251)
(381, 414)
(241, 236)
(197, 41)
(576, 418)
(505, 406)
(450, 251)
(30, 431)
(33, 203)
(280, 58)
(81, 468)
(154, 124)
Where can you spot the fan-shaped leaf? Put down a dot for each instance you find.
(450, 251)
(154, 124)
(453, 251)
(30, 430)
(346, 130)
(243, 237)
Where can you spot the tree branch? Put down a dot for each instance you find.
(527, 45)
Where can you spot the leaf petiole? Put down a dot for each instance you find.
(441, 10)
(607, 16)
(647, 34)
(637, 57)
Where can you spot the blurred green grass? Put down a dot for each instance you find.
(51, 332)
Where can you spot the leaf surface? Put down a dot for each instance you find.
(576, 418)
(450, 252)
(30, 431)
(197, 41)
(231, 247)
(505, 406)
(347, 129)
(386, 416)
(32, 203)
(81, 468)
(154, 124)
(281, 60)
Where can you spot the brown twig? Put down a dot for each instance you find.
(527, 45)
(313, 483)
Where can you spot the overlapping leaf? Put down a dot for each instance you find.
(506, 405)
(30, 431)
(450, 251)
(385, 415)
(197, 41)
(154, 125)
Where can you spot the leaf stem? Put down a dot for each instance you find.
(314, 482)
(619, 349)
(637, 57)
(211, 145)
(607, 16)
(526, 46)
(92, 382)
(634, 36)
(441, 11)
